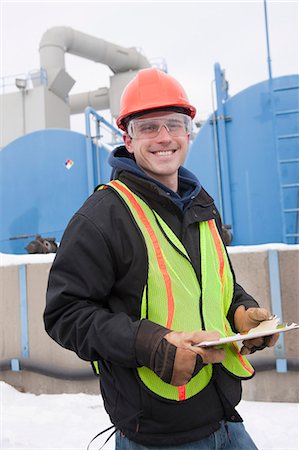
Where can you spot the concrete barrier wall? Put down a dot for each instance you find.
(251, 265)
(43, 351)
(252, 272)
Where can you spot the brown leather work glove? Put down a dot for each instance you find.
(250, 318)
(187, 356)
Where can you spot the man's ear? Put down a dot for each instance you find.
(128, 142)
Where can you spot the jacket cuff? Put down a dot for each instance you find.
(148, 339)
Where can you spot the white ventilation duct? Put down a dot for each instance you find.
(60, 40)
(98, 100)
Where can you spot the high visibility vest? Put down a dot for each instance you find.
(173, 297)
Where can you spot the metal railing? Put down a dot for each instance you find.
(23, 81)
(93, 157)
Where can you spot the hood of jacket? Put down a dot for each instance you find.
(189, 186)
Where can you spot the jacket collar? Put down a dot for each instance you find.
(146, 188)
(189, 186)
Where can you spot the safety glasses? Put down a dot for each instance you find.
(176, 124)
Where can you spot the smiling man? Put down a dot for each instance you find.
(159, 143)
(142, 275)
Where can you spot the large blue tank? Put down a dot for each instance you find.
(247, 157)
(45, 177)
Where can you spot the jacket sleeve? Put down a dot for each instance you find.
(85, 315)
(78, 313)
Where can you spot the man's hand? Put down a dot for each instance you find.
(186, 353)
(250, 318)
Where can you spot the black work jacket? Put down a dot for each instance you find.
(93, 308)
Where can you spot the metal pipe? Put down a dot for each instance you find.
(217, 153)
(90, 160)
(223, 150)
(276, 303)
(89, 148)
(24, 310)
(267, 40)
(17, 365)
(60, 40)
(264, 365)
(90, 111)
(98, 100)
(274, 124)
(23, 111)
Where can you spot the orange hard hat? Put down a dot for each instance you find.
(152, 89)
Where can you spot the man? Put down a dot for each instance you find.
(142, 276)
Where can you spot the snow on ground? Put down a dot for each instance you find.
(7, 259)
(262, 248)
(70, 421)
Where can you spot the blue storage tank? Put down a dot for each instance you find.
(247, 156)
(45, 177)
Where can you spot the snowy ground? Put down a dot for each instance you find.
(11, 259)
(70, 421)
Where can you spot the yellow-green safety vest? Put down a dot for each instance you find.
(172, 293)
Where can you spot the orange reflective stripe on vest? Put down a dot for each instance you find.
(156, 246)
(217, 242)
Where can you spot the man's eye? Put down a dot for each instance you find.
(175, 125)
(147, 127)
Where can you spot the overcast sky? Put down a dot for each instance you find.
(191, 36)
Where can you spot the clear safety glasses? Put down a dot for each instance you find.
(176, 124)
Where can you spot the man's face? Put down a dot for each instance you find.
(159, 142)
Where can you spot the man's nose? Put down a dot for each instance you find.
(164, 133)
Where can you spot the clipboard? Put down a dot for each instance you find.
(265, 328)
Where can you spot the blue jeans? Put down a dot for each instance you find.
(230, 436)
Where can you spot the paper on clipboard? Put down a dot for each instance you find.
(265, 328)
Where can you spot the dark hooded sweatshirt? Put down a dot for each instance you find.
(94, 299)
